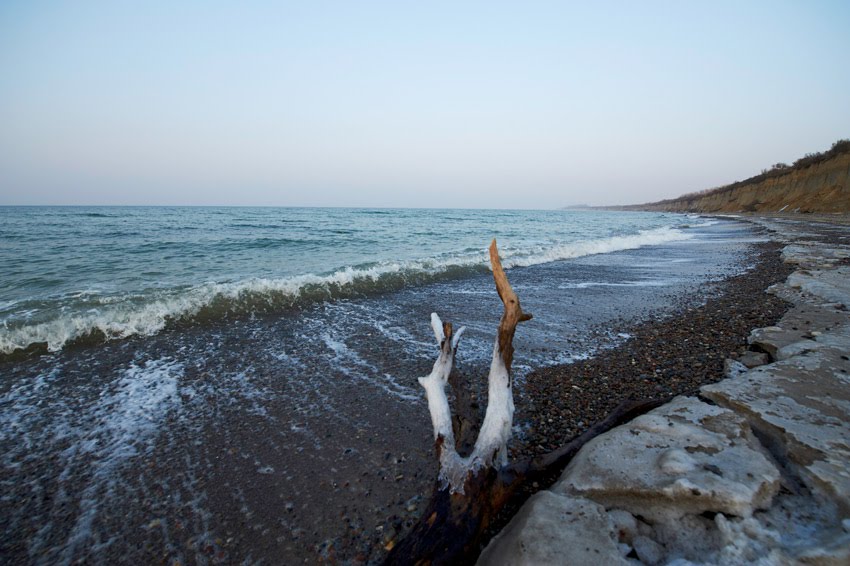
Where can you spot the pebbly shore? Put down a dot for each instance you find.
(671, 355)
(748, 463)
(661, 358)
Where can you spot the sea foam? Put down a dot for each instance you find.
(117, 317)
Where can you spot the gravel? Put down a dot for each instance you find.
(662, 358)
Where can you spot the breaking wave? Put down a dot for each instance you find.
(114, 317)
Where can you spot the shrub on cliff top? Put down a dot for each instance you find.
(776, 170)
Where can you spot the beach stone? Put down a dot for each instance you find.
(625, 525)
(799, 325)
(685, 457)
(648, 551)
(556, 529)
(754, 359)
(770, 339)
(814, 253)
(800, 405)
(828, 286)
(733, 368)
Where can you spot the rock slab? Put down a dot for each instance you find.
(685, 457)
(550, 527)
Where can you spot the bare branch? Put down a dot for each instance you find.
(513, 314)
(491, 444)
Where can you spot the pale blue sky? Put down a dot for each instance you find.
(437, 104)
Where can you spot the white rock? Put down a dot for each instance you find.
(684, 457)
(831, 286)
(734, 368)
(649, 551)
(801, 408)
(555, 529)
(676, 462)
(625, 525)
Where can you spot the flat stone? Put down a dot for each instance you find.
(733, 368)
(685, 457)
(800, 407)
(800, 325)
(754, 359)
(648, 551)
(814, 254)
(556, 529)
(832, 286)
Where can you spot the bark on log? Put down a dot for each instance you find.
(513, 313)
(466, 418)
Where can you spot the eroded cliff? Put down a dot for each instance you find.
(822, 187)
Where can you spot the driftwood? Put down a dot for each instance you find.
(471, 492)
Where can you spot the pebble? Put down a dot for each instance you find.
(661, 358)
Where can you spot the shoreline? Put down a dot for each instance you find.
(783, 404)
(300, 437)
(255, 477)
(674, 355)
(663, 358)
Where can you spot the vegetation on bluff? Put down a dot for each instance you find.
(777, 170)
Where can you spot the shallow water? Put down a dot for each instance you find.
(295, 431)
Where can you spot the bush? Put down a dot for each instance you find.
(776, 170)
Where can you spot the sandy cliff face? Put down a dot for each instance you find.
(823, 187)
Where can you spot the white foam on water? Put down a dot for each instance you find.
(254, 397)
(22, 407)
(96, 438)
(589, 284)
(352, 365)
(121, 317)
(125, 424)
(583, 248)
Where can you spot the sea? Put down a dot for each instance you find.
(238, 385)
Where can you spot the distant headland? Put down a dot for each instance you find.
(815, 183)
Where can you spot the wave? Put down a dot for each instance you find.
(96, 215)
(698, 221)
(148, 313)
(592, 247)
(590, 284)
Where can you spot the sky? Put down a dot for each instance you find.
(402, 104)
